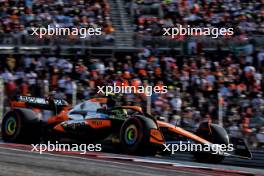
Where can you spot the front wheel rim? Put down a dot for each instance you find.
(131, 135)
(10, 126)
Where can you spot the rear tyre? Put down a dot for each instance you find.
(135, 135)
(215, 135)
(21, 126)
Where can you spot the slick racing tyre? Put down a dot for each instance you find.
(135, 135)
(21, 126)
(214, 134)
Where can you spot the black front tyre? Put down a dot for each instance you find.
(135, 135)
(21, 126)
(214, 134)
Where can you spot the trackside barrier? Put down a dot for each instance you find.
(9, 40)
(207, 42)
(29, 40)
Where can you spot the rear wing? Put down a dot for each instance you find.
(37, 102)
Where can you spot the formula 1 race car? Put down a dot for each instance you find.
(128, 127)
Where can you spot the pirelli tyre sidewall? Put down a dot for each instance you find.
(135, 135)
(215, 134)
(21, 126)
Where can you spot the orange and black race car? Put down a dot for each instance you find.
(99, 119)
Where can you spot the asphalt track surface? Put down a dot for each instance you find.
(19, 160)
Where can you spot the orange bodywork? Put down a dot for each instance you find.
(18, 104)
(182, 132)
(136, 108)
(59, 118)
(98, 123)
(59, 128)
(99, 100)
(156, 136)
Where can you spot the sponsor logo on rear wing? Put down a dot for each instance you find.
(41, 101)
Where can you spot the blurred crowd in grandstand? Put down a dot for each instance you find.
(18, 17)
(193, 82)
(244, 16)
